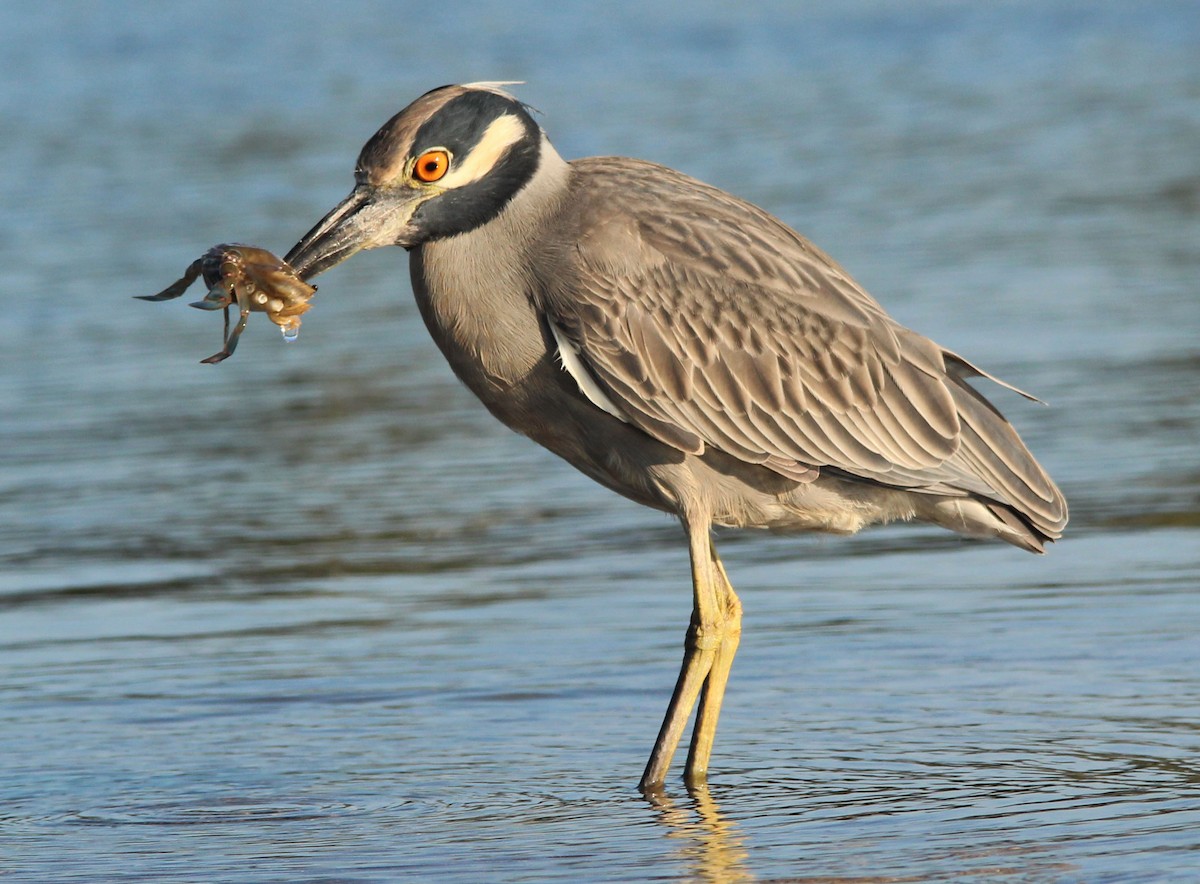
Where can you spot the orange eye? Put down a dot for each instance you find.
(431, 165)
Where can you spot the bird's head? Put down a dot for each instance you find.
(446, 164)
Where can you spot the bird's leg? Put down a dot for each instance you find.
(705, 639)
(705, 728)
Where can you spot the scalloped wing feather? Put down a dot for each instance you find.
(710, 322)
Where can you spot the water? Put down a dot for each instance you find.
(311, 615)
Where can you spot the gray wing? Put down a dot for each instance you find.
(708, 322)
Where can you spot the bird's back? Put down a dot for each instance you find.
(710, 324)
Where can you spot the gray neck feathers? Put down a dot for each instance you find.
(475, 289)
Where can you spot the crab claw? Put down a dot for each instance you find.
(216, 298)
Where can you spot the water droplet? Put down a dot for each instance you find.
(290, 332)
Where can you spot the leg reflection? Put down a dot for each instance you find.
(709, 844)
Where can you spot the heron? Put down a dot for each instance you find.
(683, 348)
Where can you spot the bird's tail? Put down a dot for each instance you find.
(1024, 506)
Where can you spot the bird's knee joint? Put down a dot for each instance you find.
(705, 636)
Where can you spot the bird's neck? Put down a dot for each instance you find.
(475, 289)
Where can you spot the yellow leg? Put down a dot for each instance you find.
(705, 729)
(711, 642)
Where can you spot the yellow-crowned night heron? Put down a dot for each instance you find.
(681, 347)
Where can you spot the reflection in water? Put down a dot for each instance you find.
(711, 845)
(713, 849)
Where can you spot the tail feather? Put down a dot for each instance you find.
(1024, 507)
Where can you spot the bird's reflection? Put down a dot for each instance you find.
(709, 843)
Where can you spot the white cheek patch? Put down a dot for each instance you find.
(500, 135)
(571, 363)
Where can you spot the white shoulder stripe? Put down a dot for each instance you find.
(569, 357)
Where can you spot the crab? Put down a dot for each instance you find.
(255, 279)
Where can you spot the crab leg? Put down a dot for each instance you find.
(231, 339)
(177, 288)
